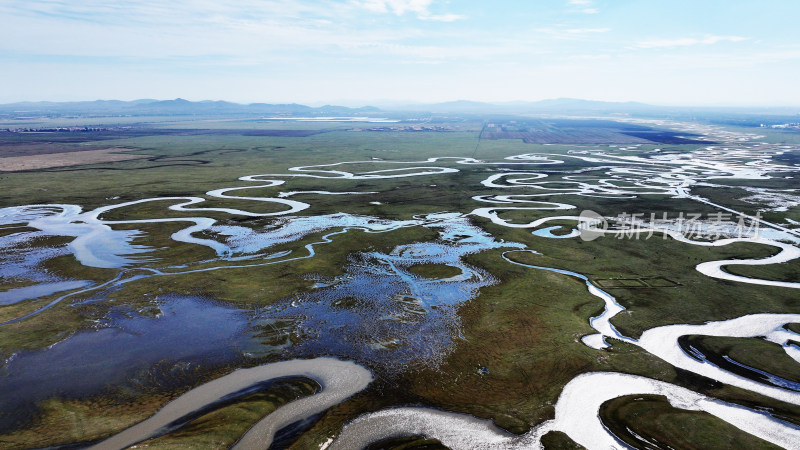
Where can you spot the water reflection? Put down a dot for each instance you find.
(124, 348)
(379, 312)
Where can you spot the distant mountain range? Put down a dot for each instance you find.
(574, 106)
(178, 106)
(560, 106)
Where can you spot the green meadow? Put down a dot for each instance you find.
(519, 339)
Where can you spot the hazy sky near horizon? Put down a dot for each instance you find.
(689, 52)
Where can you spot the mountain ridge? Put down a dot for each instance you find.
(180, 106)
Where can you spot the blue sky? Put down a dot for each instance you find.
(699, 52)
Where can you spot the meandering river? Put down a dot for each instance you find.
(96, 243)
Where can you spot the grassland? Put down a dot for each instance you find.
(520, 338)
(645, 421)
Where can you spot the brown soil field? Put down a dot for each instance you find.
(72, 158)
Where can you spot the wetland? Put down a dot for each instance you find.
(314, 284)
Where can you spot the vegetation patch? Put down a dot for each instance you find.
(648, 421)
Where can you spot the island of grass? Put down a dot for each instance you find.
(435, 271)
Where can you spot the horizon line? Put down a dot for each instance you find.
(411, 103)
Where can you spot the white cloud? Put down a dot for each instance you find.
(583, 6)
(421, 8)
(587, 30)
(683, 42)
(570, 34)
(727, 60)
(592, 57)
(442, 17)
(398, 7)
(258, 30)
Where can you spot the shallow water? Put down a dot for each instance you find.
(124, 348)
(377, 313)
(576, 414)
(381, 314)
(397, 319)
(17, 295)
(338, 379)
